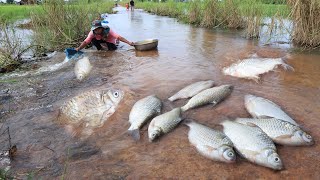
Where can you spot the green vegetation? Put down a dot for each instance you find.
(61, 25)
(11, 13)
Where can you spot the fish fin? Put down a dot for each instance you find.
(135, 134)
(284, 136)
(214, 103)
(251, 124)
(264, 117)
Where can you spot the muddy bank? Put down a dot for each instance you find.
(29, 106)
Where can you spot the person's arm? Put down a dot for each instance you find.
(125, 40)
(83, 44)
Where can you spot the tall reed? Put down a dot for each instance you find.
(306, 19)
(210, 13)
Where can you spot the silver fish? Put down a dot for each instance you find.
(260, 107)
(210, 143)
(192, 90)
(213, 95)
(82, 68)
(253, 144)
(253, 67)
(93, 107)
(164, 123)
(281, 132)
(142, 111)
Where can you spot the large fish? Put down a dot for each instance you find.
(281, 132)
(93, 107)
(164, 123)
(252, 68)
(253, 144)
(142, 111)
(82, 68)
(260, 107)
(210, 143)
(192, 90)
(213, 95)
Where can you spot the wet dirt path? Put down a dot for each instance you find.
(29, 106)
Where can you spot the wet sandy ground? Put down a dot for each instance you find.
(29, 106)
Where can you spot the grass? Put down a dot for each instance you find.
(10, 13)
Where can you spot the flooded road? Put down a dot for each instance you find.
(29, 106)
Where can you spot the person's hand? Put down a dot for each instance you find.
(77, 49)
(131, 43)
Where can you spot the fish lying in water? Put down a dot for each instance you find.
(210, 143)
(252, 68)
(92, 108)
(213, 95)
(281, 132)
(82, 68)
(142, 111)
(253, 144)
(260, 107)
(164, 123)
(192, 90)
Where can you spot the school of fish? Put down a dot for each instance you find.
(252, 138)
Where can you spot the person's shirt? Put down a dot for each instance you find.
(131, 3)
(111, 38)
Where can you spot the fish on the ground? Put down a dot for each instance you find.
(192, 90)
(82, 68)
(210, 143)
(213, 95)
(92, 108)
(253, 67)
(260, 107)
(164, 123)
(142, 111)
(253, 144)
(281, 132)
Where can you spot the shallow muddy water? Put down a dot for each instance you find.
(29, 106)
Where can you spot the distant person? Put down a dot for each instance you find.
(102, 34)
(127, 6)
(132, 5)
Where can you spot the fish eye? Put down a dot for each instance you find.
(308, 136)
(230, 154)
(276, 159)
(116, 94)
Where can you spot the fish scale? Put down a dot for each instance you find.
(253, 144)
(281, 132)
(211, 143)
(142, 111)
(92, 106)
(164, 123)
(260, 107)
(213, 95)
(253, 67)
(192, 90)
(200, 134)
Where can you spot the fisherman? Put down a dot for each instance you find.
(102, 34)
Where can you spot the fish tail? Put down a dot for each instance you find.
(134, 133)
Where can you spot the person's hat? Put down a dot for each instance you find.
(96, 24)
